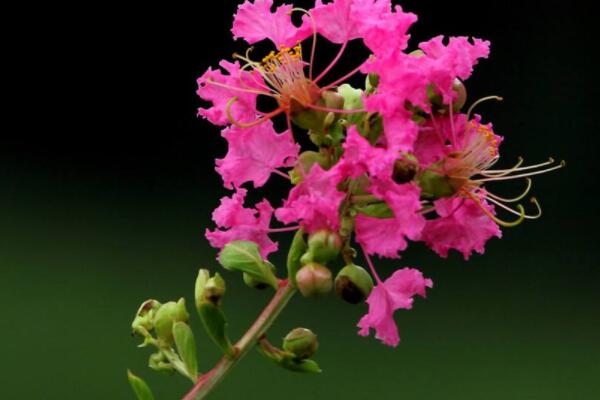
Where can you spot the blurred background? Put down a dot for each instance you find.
(107, 183)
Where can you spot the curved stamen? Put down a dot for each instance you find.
(280, 173)
(508, 177)
(510, 210)
(514, 199)
(239, 89)
(314, 37)
(334, 110)
(478, 102)
(332, 63)
(549, 162)
(503, 172)
(258, 121)
(285, 229)
(343, 78)
(493, 217)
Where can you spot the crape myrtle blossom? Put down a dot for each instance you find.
(395, 162)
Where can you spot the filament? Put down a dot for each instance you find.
(550, 161)
(507, 224)
(332, 63)
(258, 121)
(504, 178)
(514, 199)
(526, 216)
(478, 102)
(503, 172)
(343, 78)
(314, 41)
(370, 264)
(239, 89)
(334, 110)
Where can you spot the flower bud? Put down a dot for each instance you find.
(461, 95)
(314, 280)
(166, 316)
(405, 169)
(159, 362)
(353, 284)
(301, 342)
(332, 100)
(324, 245)
(144, 318)
(214, 290)
(256, 283)
(305, 162)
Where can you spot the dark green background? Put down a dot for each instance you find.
(107, 185)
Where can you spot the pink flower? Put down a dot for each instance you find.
(359, 156)
(451, 61)
(315, 202)
(210, 89)
(336, 20)
(396, 292)
(254, 21)
(383, 30)
(387, 236)
(239, 223)
(462, 225)
(254, 153)
(436, 140)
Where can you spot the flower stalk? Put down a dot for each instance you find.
(207, 382)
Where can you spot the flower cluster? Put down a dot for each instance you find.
(393, 162)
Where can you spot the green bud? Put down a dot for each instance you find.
(305, 162)
(301, 342)
(144, 317)
(244, 256)
(353, 284)
(314, 280)
(203, 277)
(461, 92)
(297, 249)
(166, 316)
(214, 290)
(159, 362)
(434, 185)
(324, 245)
(405, 169)
(332, 100)
(372, 82)
(256, 283)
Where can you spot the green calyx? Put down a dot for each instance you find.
(244, 256)
(435, 185)
(353, 284)
(323, 246)
(168, 314)
(301, 342)
(314, 280)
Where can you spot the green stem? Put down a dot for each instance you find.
(207, 382)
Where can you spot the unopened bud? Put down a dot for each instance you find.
(314, 280)
(324, 245)
(301, 342)
(353, 284)
(159, 362)
(333, 100)
(144, 317)
(304, 164)
(256, 283)
(214, 290)
(461, 95)
(166, 316)
(405, 169)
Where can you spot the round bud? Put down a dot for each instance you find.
(353, 284)
(301, 342)
(404, 170)
(324, 245)
(166, 316)
(461, 95)
(144, 318)
(314, 280)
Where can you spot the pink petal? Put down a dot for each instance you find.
(396, 292)
(461, 225)
(239, 223)
(244, 109)
(314, 202)
(254, 153)
(254, 21)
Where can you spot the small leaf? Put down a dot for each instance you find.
(186, 347)
(306, 366)
(244, 256)
(215, 324)
(297, 249)
(377, 210)
(139, 387)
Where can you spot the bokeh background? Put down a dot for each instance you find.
(107, 184)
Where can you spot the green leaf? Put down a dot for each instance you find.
(139, 387)
(244, 256)
(215, 324)
(186, 347)
(297, 249)
(306, 366)
(377, 210)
